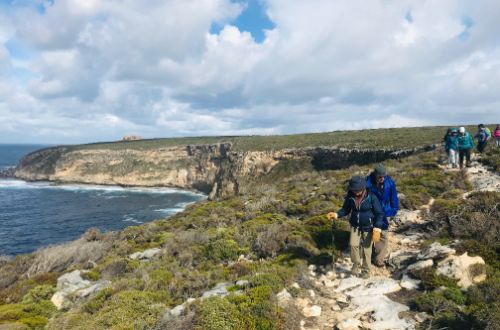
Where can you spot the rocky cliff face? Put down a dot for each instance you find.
(213, 169)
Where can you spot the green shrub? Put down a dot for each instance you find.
(432, 280)
(218, 314)
(222, 249)
(38, 293)
(131, 310)
(98, 301)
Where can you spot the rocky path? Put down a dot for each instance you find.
(341, 301)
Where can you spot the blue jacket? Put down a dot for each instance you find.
(388, 197)
(369, 214)
(451, 142)
(481, 136)
(465, 141)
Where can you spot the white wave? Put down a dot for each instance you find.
(130, 219)
(179, 207)
(19, 184)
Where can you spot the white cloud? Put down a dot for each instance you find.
(101, 69)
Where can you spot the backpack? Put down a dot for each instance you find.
(488, 133)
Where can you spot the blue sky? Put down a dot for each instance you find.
(253, 19)
(80, 71)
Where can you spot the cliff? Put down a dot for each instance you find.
(214, 169)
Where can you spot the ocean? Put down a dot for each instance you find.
(39, 214)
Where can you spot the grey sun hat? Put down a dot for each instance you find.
(357, 183)
(380, 170)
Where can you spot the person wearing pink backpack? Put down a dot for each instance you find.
(496, 135)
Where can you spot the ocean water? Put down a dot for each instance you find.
(38, 214)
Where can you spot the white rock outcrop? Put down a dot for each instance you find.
(145, 255)
(72, 284)
(436, 251)
(467, 270)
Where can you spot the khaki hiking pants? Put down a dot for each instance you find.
(381, 248)
(361, 248)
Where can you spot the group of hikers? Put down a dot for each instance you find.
(371, 203)
(459, 143)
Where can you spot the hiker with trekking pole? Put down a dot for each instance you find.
(384, 187)
(366, 220)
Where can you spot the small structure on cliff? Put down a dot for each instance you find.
(131, 138)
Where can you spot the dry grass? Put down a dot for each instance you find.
(62, 257)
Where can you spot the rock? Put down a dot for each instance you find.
(349, 324)
(101, 285)
(384, 312)
(406, 216)
(436, 251)
(72, 285)
(421, 317)
(409, 283)
(312, 294)
(312, 311)
(177, 310)
(242, 283)
(295, 286)
(421, 264)
(219, 290)
(348, 283)
(302, 302)
(283, 298)
(374, 286)
(401, 259)
(467, 270)
(71, 282)
(145, 255)
(60, 300)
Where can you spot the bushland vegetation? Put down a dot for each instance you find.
(267, 236)
(390, 138)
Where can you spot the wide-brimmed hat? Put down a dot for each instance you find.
(357, 183)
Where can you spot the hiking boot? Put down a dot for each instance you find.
(355, 270)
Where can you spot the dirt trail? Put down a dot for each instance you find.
(341, 301)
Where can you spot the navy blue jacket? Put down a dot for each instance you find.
(388, 196)
(369, 214)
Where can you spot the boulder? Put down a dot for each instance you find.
(219, 290)
(401, 259)
(467, 270)
(72, 285)
(409, 283)
(421, 264)
(145, 255)
(436, 251)
(72, 281)
(312, 311)
(283, 298)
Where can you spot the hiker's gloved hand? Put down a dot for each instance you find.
(376, 234)
(332, 216)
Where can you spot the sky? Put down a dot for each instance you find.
(74, 71)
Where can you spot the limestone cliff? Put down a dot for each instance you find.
(213, 169)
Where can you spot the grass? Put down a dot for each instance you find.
(389, 138)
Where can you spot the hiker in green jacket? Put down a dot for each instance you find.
(465, 145)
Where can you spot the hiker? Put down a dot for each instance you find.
(465, 145)
(451, 147)
(366, 219)
(384, 187)
(496, 134)
(482, 138)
